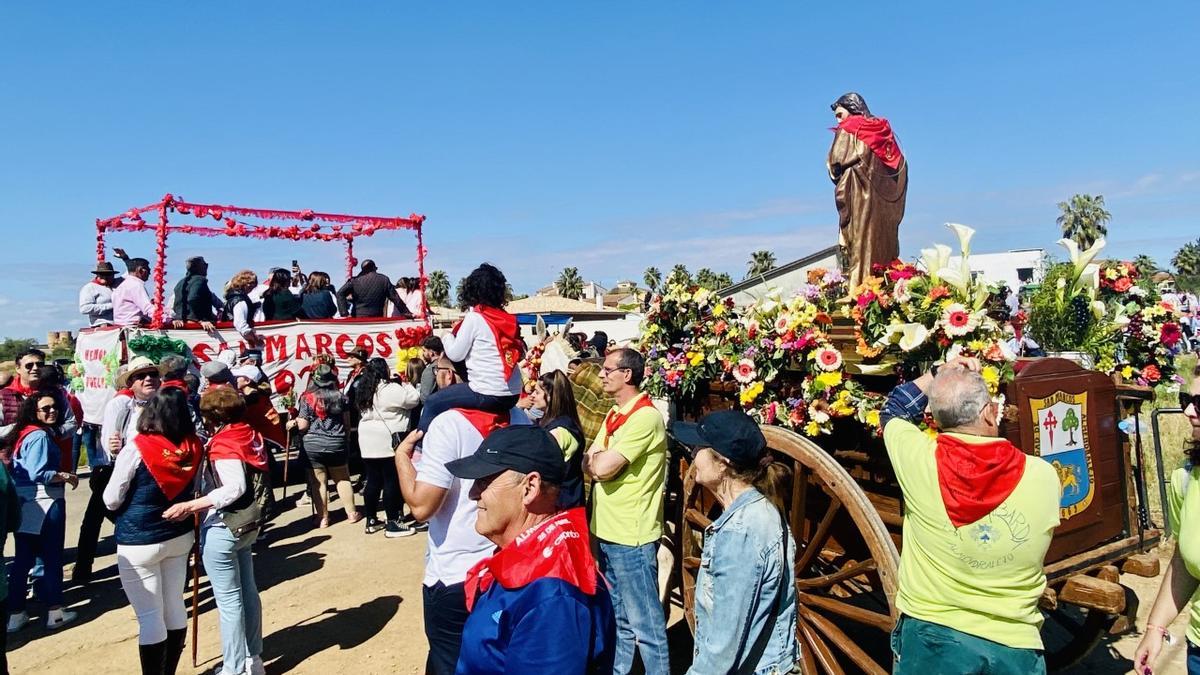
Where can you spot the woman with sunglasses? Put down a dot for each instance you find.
(1181, 583)
(42, 500)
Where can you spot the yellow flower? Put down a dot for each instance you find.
(827, 380)
(1127, 372)
(841, 408)
(812, 429)
(719, 309)
(991, 375)
(932, 433)
(750, 393)
(696, 358)
(873, 418)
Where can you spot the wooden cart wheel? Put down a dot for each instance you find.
(1070, 633)
(846, 563)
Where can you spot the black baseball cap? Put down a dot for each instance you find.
(730, 433)
(522, 448)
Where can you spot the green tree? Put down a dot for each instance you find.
(679, 275)
(760, 263)
(458, 294)
(439, 288)
(706, 278)
(724, 280)
(1186, 260)
(1145, 265)
(1070, 423)
(13, 346)
(652, 278)
(570, 284)
(62, 351)
(1083, 219)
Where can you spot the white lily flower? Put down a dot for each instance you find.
(935, 259)
(1081, 260)
(956, 278)
(912, 335)
(1099, 309)
(964, 237)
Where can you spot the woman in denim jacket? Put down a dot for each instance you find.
(745, 591)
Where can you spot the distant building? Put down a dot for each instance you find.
(788, 277)
(1016, 268)
(591, 290)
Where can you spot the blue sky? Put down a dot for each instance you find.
(608, 136)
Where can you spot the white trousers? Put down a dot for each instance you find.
(154, 577)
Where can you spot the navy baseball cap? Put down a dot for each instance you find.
(522, 448)
(730, 433)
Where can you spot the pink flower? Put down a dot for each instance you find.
(744, 371)
(781, 324)
(828, 359)
(1170, 334)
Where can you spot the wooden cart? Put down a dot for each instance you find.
(845, 510)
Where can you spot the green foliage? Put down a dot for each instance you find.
(1186, 260)
(680, 275)
(760, 263)
(13, 346)
(1145, 265)
(1070, 423)
(1084, 219)
(709, 279)
(155, 347)
(62, 351)
(439, 288)
(652, 278)
(1060, 321)
(570, 284)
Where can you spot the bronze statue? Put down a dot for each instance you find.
(870, 176)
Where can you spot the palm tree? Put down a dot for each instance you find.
(1084, 219)
(570, 284)
(679, 275)
(706, 278)
(1186, 260)
(1145, 265)
(652, 278)
(724, 281)
(458, 294)
(760, 263)
(438, 288)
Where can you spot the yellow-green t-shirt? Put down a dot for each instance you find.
(566, 441)
(1183, 499)
(984, 578)
(628, 508)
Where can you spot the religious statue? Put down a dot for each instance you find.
(870, 176)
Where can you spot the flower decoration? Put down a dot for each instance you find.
(828, 359)
(957, 320)
(744, 372)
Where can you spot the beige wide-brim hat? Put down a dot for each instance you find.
(137, 366)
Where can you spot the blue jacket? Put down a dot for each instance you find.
(745, 592)
(548, 626)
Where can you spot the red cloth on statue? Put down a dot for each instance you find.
(173, 466)
(975, 478)
(876, 132)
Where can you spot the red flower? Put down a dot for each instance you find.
(1122, 284)
(866, 298)
(719, 327)
(959, 319)
(1151, 373)
(1170, 334)
(938, 292)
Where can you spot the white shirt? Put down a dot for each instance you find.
(116, 407)
(476, 344)
(131, 303)
(241, 324)
(95, 301)
(454, 546)
(388, 415)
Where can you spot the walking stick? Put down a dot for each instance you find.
(195, 589)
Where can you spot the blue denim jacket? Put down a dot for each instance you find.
(745, 592)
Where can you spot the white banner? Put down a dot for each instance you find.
(97, 357)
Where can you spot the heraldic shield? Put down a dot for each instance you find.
(1062, 439)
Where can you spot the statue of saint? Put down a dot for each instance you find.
(870, 176)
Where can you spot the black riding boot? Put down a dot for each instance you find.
(176, 639)
(152, 657)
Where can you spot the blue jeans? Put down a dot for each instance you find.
(46, 546)
(462, 396)
(1193, 659)
(89, 441)
(921, 647)
(633, 573)
(230, 570)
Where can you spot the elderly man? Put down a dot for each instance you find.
(95, 298)
(628, 462)
(543, 578)
(436, 496)
(131, 303)
(978, 518)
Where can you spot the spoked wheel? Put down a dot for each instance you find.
(845, 566)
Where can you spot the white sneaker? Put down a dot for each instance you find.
(57, 618)
(254, 665)
(17, 621)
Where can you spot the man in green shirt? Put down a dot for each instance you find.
(628, 464)
(978, 517)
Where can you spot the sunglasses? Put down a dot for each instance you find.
(33, 365)
(48, 408)
(1186, 399)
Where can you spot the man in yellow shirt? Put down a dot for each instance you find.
(978, 518)
(628, 464)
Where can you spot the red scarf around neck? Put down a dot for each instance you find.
(615, 419)
(876, 133)
(173, 466)
(241, 442)
(20, 388)
(557, 549)
(174, 384)
(25, 433)
(484, 422)
(975, 478)
(507, 336)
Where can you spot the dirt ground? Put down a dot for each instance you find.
(334, 601)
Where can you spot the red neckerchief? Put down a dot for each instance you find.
(615, 420)
(876, 132)
(975, 478)
(100, 282)
(174, 384)
(484, 422)
(557, 549)
(315, 403)
(264, 418)
(29, 429)
(241, 442)
(22, 390)
(173, 466)
(124, 392)
(507, 336)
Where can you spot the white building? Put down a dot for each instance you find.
(1015, 268)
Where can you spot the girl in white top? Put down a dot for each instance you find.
(384, 408)
(488, 341)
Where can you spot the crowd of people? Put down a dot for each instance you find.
(535, 513)
(283, 295)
